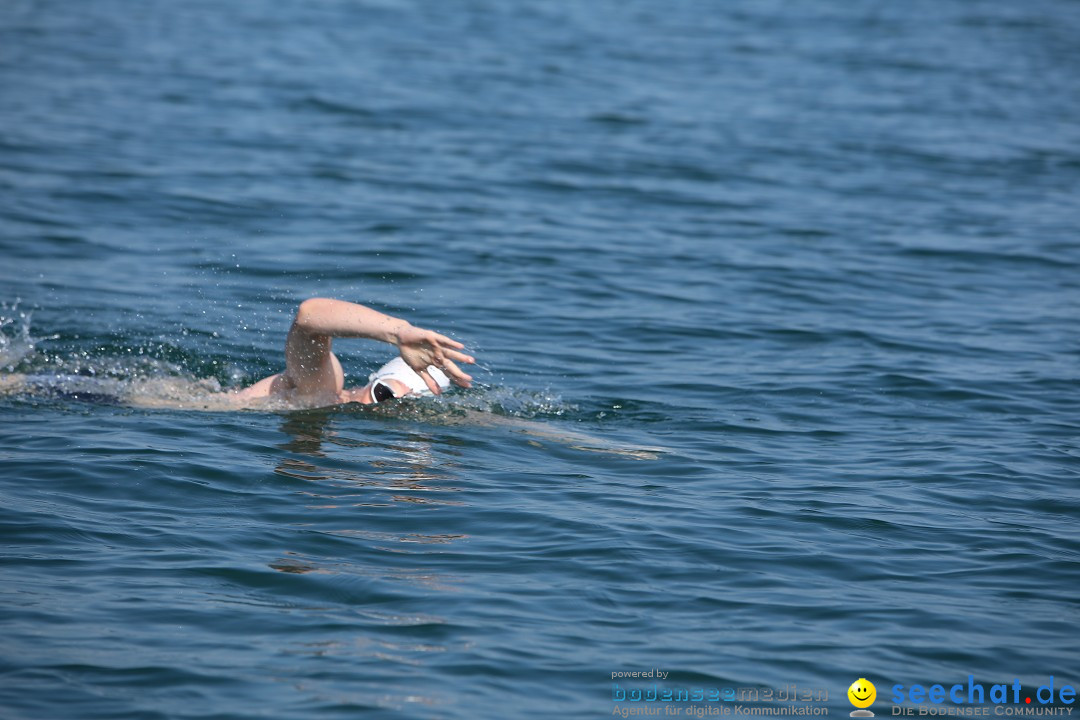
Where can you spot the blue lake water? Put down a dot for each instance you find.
(822, 257)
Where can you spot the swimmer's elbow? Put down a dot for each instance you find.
(309, 311)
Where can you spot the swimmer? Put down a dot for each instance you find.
(427, 365)
(313, 376)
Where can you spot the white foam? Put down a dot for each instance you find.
(15, 341)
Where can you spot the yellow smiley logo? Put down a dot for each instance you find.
(862, 694)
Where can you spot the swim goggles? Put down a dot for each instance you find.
(381, 392)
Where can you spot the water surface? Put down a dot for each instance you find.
(822, 256)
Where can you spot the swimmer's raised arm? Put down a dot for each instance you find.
(311, 366)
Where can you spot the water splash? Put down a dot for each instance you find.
(513, 410)
(497, 400)
(16, 343)
(109, 379)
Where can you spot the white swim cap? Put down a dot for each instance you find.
(398, 370)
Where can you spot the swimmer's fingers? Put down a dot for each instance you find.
(459, 378)
(421, 348)
(459, 356)
(446, 342)
(430, 382)
(436, 343)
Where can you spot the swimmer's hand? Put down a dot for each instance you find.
(420, 348)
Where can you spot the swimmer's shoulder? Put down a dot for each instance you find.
(277, 390)
(265, 388)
